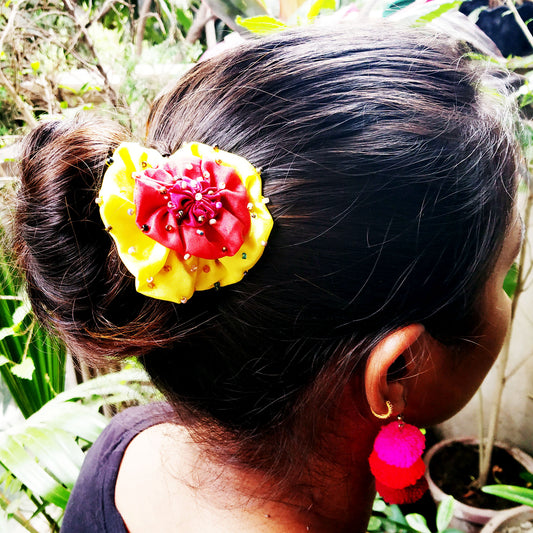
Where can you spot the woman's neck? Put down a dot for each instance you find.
(167, 484)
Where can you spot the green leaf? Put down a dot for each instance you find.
(6, 332)
(510, 281)
(395, 514)
(184, 18)
(527, 476)
(17, 319)
(417, 522)
(262, 24)
(15, 458)
(21, 312)
(436, 13)
(396, 5)
(379, 505)
(521, 495)
(104, 385)
(318, 6)
(374, 524)
(445, 513)
(25, 369)
(74, 418)
(56, 451)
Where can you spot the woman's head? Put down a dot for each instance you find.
(391, 178)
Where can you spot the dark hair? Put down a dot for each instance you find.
(391, 178)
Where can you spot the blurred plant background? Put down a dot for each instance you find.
(60, 57)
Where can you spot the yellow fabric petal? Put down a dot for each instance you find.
(162, 273)
(174, 280)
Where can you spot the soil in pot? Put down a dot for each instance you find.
(454, 467)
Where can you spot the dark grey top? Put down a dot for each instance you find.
(91, 507)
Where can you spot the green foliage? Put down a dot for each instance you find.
(445, 513)
(510, 281)
(261, 25)
(390, 519)
(306, 14)
(440, 10)
(396, 5)
(44, 453)
(528, 478)
(521, 495)
(32, 363)
(91, 47)
(318, 7)
(230, 10)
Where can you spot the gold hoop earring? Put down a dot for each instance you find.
(387, 414)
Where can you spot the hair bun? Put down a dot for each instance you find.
(58, 236)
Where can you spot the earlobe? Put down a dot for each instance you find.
(386, 358)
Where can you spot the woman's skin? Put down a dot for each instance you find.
(166, 484)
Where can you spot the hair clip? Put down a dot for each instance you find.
(184, 223)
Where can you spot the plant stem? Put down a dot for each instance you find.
(481, 426)
(200, 20)
(141, 25)
(22, 106)
(17, 516)
(503, 359)
(88, 41)
(519, 21)
(9, 25)
(40, 506)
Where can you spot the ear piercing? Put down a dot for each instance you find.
(387, 414)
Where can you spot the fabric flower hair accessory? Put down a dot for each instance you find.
(192, 221)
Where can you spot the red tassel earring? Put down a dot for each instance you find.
(396, 461)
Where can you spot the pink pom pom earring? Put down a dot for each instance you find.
(396, 461)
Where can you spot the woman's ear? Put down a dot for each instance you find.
(388, 359)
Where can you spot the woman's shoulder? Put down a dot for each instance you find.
(91, 507)
(154, 486)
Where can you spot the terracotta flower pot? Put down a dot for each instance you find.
(511, 521)
(467, 518)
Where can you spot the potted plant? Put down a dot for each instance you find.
(453, 468)
(494, 460)
(514, 520)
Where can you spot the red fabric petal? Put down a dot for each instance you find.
(409, 494)
(395, 476)
(227, 233)
(193, 206)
